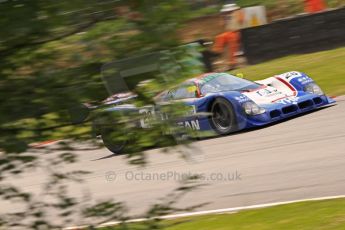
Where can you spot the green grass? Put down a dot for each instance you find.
(306, 215)
(327, 68)
(314, 215)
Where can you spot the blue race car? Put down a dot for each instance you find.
(228, 103)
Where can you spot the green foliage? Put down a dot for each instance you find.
(51, 56)
(51, 59)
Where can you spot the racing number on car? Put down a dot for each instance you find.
(267, 92)
(287, 101)
(147, 115)
(292, 74)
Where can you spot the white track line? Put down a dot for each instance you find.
(215, 211)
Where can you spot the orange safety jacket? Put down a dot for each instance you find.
(314, 6)
(232, 40)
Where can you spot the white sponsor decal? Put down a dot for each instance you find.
(292, 74)
(149, 112)
(268, 92)
(305, 80)
(193, 124)
(242, 99)
(289, 100)
(266, 95)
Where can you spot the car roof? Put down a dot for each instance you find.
(205, 76)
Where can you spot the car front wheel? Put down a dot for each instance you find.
(223, 119)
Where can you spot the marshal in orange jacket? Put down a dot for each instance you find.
(314, 6)
(230, 39)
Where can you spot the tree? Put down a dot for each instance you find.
(51, 54)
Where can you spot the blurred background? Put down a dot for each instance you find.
(60, 59)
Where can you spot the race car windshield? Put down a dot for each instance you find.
(225, 82)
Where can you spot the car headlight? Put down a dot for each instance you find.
(251, 108)
(314, 89)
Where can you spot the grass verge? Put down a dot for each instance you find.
(327, 68)
(311, 215)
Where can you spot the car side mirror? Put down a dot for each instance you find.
(193, 89)
(240, 75)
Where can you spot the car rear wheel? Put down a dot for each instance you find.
(110, 142)
(223, 119)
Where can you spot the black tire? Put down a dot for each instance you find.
(112, 145)
(223, 118)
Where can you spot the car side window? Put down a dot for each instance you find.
(182, 92)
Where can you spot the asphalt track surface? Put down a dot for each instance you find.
(300, 158)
